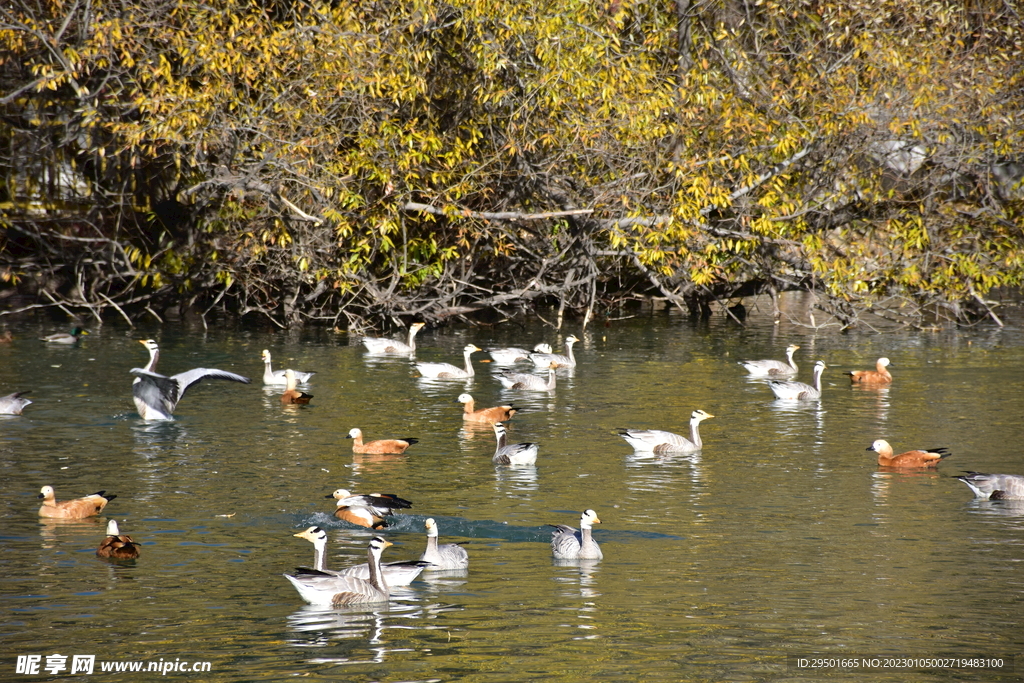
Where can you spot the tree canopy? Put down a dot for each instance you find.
(358, 162)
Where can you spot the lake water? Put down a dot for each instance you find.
(781, 540)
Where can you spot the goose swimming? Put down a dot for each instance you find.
(13, 404)
(798, 391)
(156, 396)
(395, 573)
(569, 544)
(513, 354)
(382, 345)
(447, 370)
(995, 486)
(512, 454)
(275, 378)
(658, 441)
(566, 360)
(773, 368)
(445, 556)
(319, 588)
(524, 382)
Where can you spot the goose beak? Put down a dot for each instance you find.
(329, 495)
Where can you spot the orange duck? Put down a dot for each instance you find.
(909, 460)
(877, 376)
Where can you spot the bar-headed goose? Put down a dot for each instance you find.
(488, 415)
(381, 345)
(512, 453)
(276, 378)
(367, 510)
(380, 446)
(513, 354)
(995, 486)
(773, 368)
(395, 573)
(522, 382)
(117, 546)
(13, 404)
(877, 376)
(319, 588)
(65, 337)
(79, 508)
(658, 441)
(156, 396)
(908, 460)
(569, 544)
(447, 370)
(566, 360)
(798, 391)
(291, 395)
(446, 556)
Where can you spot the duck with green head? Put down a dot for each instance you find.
(66, 337)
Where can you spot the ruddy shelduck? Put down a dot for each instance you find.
(291, 395)
(79, 508)
(488, 415)
(380, 446)
(369, 510)
(877, 376)
(911, 460)
(117, 546)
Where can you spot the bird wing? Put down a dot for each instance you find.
(191, 377)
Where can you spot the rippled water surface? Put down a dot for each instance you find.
(782, 538)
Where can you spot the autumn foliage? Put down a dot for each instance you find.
(355, 162)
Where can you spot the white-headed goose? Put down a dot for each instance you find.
(319, 588)
(569, 544)
(567, 360)
(381, 345)
(291, 395)
(79, 508)
(488, 415)
(446, 556)
(395, 573)
(117, 546)
(877, 376)
(522, 382)
(65, 337)
(995, 486)
(798, 391)
(773, 368)
(367, 510)
(156, 395)
(658, 441)
(909, 460)
(13, 404)
(276, 378)
(380, 446)
(512, 453)
(513, 354)
(447, 370)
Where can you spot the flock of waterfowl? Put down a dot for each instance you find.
(156, 396)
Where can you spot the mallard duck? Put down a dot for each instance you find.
(117, 546)
(367, 510)
(877, 376)
(277, 377)
(794, 391)
(395, 573)
(79, 508)
(291, 395)
(319, 588)
(440, 557)
(488, 415)
(569, 544)
(512, 454)
(513, 354)
(13, 404)
(156, 396)
(380, 446)
(447, 370)
(567, 360)
(381, 345)
(522, 382)
(66, 337)
(908, 460)
(657, 441)
(995, 486)
(773, 368)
